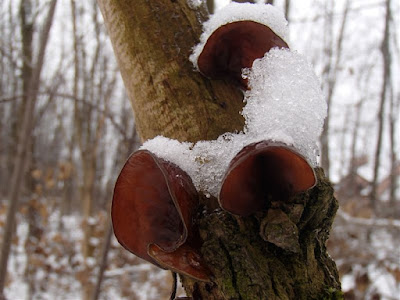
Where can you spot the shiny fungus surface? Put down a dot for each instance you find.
(264, 172)
(153, 204)
(235, 46)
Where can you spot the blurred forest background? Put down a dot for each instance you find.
(66, 128)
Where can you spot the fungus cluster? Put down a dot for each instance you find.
(156, 194)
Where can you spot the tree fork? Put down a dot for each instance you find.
(278, 254)
(152, 41)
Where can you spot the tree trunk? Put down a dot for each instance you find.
(210, 6)
(329, 74)
(386, 74)
(279, 254)
(394, 163)
(287, 9)
(152, 41)
(27, 29)
(259, 257)
(103, 261)
(24, 142)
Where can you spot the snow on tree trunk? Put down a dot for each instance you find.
(278, 254)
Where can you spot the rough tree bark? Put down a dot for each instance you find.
(152, 41)
(278, 254)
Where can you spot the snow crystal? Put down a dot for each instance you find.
(91, 261)
(261, 13)
(205, 161)
(71, 225)
(91, 221)
(17, 289)
(284, 104)
(348, 282)
(285, 101)
(193, 4)
(93, 241)
(171, 150)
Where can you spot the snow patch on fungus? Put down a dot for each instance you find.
(285, 99)
(264, 14)
(284, 104)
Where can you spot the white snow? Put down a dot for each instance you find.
(18, 289)
(348, 282)
(284, 104)
(205, 161)
(193, 4)
(235, 12)
(57, 274)
(383, 282)
(285, 101)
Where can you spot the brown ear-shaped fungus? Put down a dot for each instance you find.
(185, 260)
(235, 46)
(153, 203)
(264, 172)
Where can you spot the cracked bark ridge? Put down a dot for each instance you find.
(276, 254)
(278, 229)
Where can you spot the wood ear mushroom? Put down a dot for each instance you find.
(152, 211)
(261, 173)
(235, 46)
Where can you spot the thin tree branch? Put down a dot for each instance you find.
(65, 96)
(384, 89)
(23, 144)
(372, 222)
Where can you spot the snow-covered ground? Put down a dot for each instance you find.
(366, 258)
(57, 268)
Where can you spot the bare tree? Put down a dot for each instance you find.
(211, 6)
(329, 73)
(387, 61)
(94, 81)
(126, 148)
(287, 9)
(10, 84)
(24, 141)
(394, 162)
